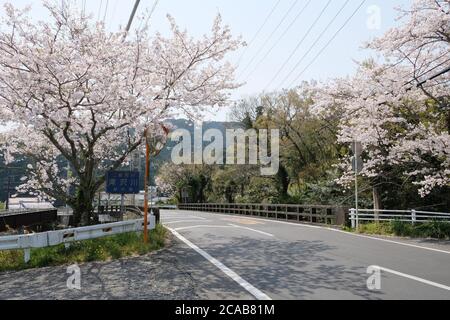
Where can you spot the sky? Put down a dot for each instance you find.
(283, 36)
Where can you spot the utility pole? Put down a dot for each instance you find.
(133, 13)
(357, 167)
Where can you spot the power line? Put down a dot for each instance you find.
(315, 43)
(155, 4)
(278, 40)
(100, 10)
(106, 11)
(299, 44)
(84, 7)
(428, 71)
(259, 30)
(434, 77)
(329, 42)
(270, 36)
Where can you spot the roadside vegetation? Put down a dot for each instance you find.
(432, 229)
(103, 249)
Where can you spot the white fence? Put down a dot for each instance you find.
(53, 238)
(413, 216)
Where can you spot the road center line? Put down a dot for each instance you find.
(230, 273)
(254, 230)
(344, 232)
(200, 226)
(182, 221)
(182, 217)
(408, 276)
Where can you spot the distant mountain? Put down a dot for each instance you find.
(10, 178)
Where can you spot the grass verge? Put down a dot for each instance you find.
(102, 249)
(432, 229)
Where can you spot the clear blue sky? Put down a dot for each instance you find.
(246, 17)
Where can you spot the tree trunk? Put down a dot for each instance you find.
(377, 203)
(283, 182)
(83, 211)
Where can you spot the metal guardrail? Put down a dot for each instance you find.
(413, 216)
(30, 219)
(53, 238)
(312, 214)
(5, 213)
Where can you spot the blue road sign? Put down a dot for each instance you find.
(122, 182)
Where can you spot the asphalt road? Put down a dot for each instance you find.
(221, 257)
(238, 257)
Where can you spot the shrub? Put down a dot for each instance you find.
(382, 228)
(402, 229)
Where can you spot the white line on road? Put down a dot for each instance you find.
(182, 217)
(182, 221)
(233, 275)
(341, 231)
(254, 230)
(408, 276)
(201, 226)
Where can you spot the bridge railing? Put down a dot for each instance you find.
(413, 216)
(287, 212)
(4, 212)
(53, 238)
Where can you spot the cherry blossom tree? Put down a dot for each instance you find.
(398, 109)
(78, 94)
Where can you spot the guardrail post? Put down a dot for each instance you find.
(353, 218)
(413, 216)
(27, 255)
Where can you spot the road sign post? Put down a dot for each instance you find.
(122, 182)
(154, 143)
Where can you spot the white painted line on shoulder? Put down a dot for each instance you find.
(230, 273)
(254, 230)
(408, 276)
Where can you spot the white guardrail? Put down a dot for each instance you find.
(413, 216)
(53, 238)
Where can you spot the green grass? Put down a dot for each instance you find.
(2, 206)
(376, 228)
(102, 249)
(432, 229)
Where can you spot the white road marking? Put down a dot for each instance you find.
(347, 233)
(182, 221)
(254, 230)
(230, 273)
(183, 217)
(340, 231)
(408, 276)
(201, 226)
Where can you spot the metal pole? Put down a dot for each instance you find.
(356, 185)
(150, 182)
(8, 195)
(133, 13)
(122, 206)
(146, 178)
